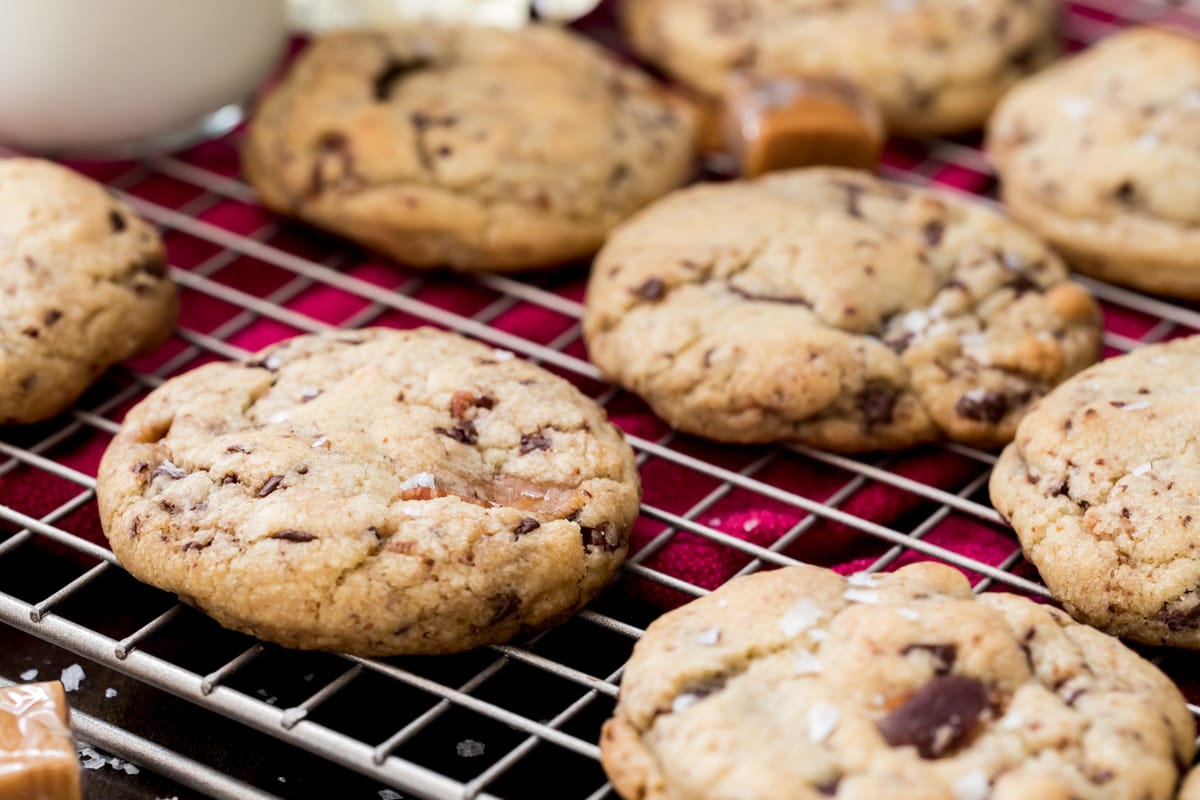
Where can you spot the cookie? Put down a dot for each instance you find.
(799, 683)
(472, 148)
(375, 492)
(1101, 486)
(83, 285)
(836, 309)
(1101, 155)
(1191, 786)
(933, 67)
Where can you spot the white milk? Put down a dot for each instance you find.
(94, 74)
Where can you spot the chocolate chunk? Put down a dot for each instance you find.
(653, 290)
(333, 165)
(938, 717)
(139, 467)
(525, 526)
(292, 535)
(988, 407)
(1126, 193)
(462, 431)
(237, 448)
(771, 298)
(535, 441)
(944, 655)
(155, 268)
(932, 232)
(116, 221)
(603, 536)
(485, 401)
(271, 485)
(52, 316)
(228, 479)
(393, 72)
(854, 194)
(168, 469)
(1026, 58)
(828, 788)
(27, 382)
(192, 544)
(1182, 614)
(32, 333)
(505, 605)
(618, 175)
(876, 402)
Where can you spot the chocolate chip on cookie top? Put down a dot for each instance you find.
(837, 309)
(472, 148)
(934, 66)
(1101, 486)
(373, 491)
(799, 683)
(83, 285)
(1101, 155)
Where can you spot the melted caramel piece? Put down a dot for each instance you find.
(37, 753)
(779, 123)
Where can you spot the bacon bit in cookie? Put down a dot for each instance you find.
(982, 405)
(271, 485)
(462, 431)
(527, 525)
(938, 717)
(168, 469)
(422, 493)
(535, 441)
(292, 535)
(603, 536)
(653, 290)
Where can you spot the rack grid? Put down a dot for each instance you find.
(533, 708)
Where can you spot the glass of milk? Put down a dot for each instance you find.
(130, 77)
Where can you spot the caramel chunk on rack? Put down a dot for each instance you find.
(37, 752)
(779, 123)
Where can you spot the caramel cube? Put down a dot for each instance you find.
(779, 123)
(37, 751)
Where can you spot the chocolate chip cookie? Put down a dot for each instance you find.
(375, 492)
(1191, 786)
(472, 148)
(933, 67)
(798, 683)
(1101, 155)
(83, 285)
(833, 308)
(1101, 486)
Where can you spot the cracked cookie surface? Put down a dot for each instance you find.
(799, 683)
(836, 309)
(934, 66)
(375, 492)
(1102, 486)
(472, 148)
(1101, 155)
(83, 285)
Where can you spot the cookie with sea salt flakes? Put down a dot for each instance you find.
(799, 683)
(837, 309)
(467, 147)
(1102, 486)
(376, 492)
(1101, 155)
(934, 66)
(1191, 786)
(83, 285)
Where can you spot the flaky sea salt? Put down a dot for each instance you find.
(818, 634)
(863, 579)
(972, 786)
(1011, 721)
(273, 362)
(1076, 107)
(71, 677)
(278, 417)
(1149, 141)
(708, 637)
(800, 617)
(822, 719)
(321, 443)
(807, 663)
(908, 613)
(1135, 406)
(860, 596)
(309, 393)
(683, 702)
(503, 355)
(1141, 469)
(422, 480)
(29, 674)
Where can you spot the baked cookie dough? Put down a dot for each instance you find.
(375, 492)
(934, 66)
(1191, 786)
(799, 683)
(1101, 155)
(83, 285)
(836, 309)
(1102, 486)
(471, 148)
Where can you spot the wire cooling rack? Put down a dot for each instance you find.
(515, 721)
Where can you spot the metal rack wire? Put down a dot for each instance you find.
(86, 605)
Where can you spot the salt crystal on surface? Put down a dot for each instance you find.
(29, 674)
(469, 748)
(859, 596)
(1149, 141)
(71, 677)
(110, 693)
(422, 480)
(818, 634)
(278, 417)
(972, 786)
(321, 442)
(800, 618)
(1135, 406)
(908, 613)
(708, 636)
(683, 702)
(864, 579)
(822, 719)
(310, 393)
(503, 355)
(807, 663)
(1011, 721)
(1076, 107)
(1141, 469)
